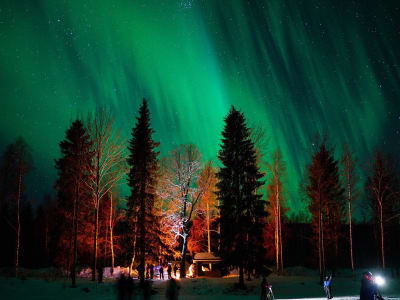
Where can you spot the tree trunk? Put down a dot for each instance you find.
(142, 245)
(184, 248)
(241, 275)
(280, 239)
(75, 247)
(208, 228)
(351, 240)
(319, 248)
(111, 233)
(322, 247)
(276, 217)
(96, 222)
(276, 239)
(96, 218)
(382, 239)
(18, 220)
(134, 250)
(208, 231)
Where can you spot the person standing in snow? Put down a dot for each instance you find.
(169, 271)
(161, 270)
(266, 290)
(148, 271)
(175, 269)
(369, 290)
(327, 286)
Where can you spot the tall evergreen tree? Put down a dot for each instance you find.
(73, 167)
(326, 206)
(143, 179)
(241, 207)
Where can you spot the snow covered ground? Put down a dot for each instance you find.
(294, 286)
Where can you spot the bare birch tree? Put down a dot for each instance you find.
(380, 184)
(109, 164)
(350, 180)
(277, 170)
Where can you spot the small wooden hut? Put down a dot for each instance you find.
(206, 264)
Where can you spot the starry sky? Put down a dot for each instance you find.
(293, 67)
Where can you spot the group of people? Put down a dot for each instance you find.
(150, 268)
(369, 289)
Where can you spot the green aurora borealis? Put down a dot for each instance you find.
(294, 67)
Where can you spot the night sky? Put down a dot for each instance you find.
(294, 67)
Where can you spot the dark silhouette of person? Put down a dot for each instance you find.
(161, 270)
(151, 271)
(100, 271)
(148, 271)
(140, 269)
(169, 271)
(121, 287)
(369, 290)
(175, 269)
(264, 288)
(327, 287)
(172, 291)
(130, 287)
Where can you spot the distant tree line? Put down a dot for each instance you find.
(180, 205)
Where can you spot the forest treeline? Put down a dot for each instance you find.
(180, 205)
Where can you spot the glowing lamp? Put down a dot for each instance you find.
(379, 280)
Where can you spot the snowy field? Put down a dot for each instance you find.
(294, 286)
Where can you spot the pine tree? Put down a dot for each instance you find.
(326, 206)
(143, 179)
(73, 168)
(242, 209)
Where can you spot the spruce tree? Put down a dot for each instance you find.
(241, 207)
(73, 168)
(143, 179)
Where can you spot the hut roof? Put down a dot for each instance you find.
(206, 256)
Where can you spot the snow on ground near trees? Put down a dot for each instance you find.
(294, 286)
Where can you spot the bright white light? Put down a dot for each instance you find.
(379, 280)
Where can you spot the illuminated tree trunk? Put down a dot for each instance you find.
(111, 227)
(351, 238)
(208, 231)
(276, 238)
(208, 227)
(381, 230)
(280, 238)
(96, 222)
